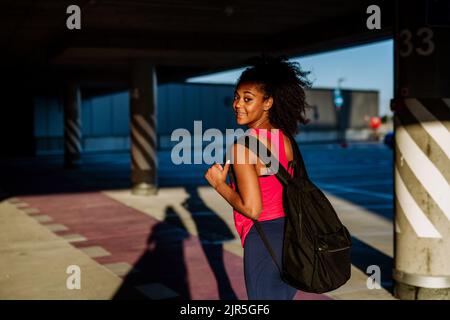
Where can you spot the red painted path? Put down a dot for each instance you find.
(162, 252)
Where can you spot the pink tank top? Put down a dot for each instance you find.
(271, 191)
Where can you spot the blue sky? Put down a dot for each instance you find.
(363, 67)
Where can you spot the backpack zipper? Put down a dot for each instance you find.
(334, 250)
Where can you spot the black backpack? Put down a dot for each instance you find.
(316, 246)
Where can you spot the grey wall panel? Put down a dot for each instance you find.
(48, 125)
(179, 105)
(177, 116)
(55, 117)
(48, 118)
(105, 119)
(40, 117)
(364, 105)
(86, 117)
(208, 116)
(225, 107)
(120, 114)
(228, 95)
(101, 116)
(162, 114)
(190, 110)
(322, 112)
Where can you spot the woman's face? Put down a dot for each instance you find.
(250, 106)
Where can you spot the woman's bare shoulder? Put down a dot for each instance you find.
(288, 148)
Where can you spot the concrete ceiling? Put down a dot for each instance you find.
(183, 38)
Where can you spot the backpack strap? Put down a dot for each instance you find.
(282, 174)
(299, 164)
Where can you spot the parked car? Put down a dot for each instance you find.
(389, 139)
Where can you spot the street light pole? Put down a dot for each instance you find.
(338, 103)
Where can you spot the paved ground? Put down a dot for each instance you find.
(180, 243)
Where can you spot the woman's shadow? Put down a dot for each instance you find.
(163, 265)
(212, 232)
(160, 273)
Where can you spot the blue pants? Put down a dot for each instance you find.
(262, 278)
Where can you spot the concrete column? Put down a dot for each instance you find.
(72, 126)
(422, 150)
(143, 128)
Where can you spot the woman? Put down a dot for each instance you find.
(269, 95)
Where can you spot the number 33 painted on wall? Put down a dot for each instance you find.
(427, 44)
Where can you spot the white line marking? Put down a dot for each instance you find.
(387, 181)
(144, 143)
(75, 127)
(424, 170)
(353, 190)
(146, 126)
(71, 149)
(139, 158)
(416, 217)
(431, 124)
(75, 143)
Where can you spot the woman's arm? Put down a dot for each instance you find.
(248, 200)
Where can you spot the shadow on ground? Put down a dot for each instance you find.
(46, 175)
(161, 264)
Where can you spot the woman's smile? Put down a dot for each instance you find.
(240, 114)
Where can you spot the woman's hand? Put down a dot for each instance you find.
(216, 174)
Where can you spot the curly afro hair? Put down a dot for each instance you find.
(285, 82)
